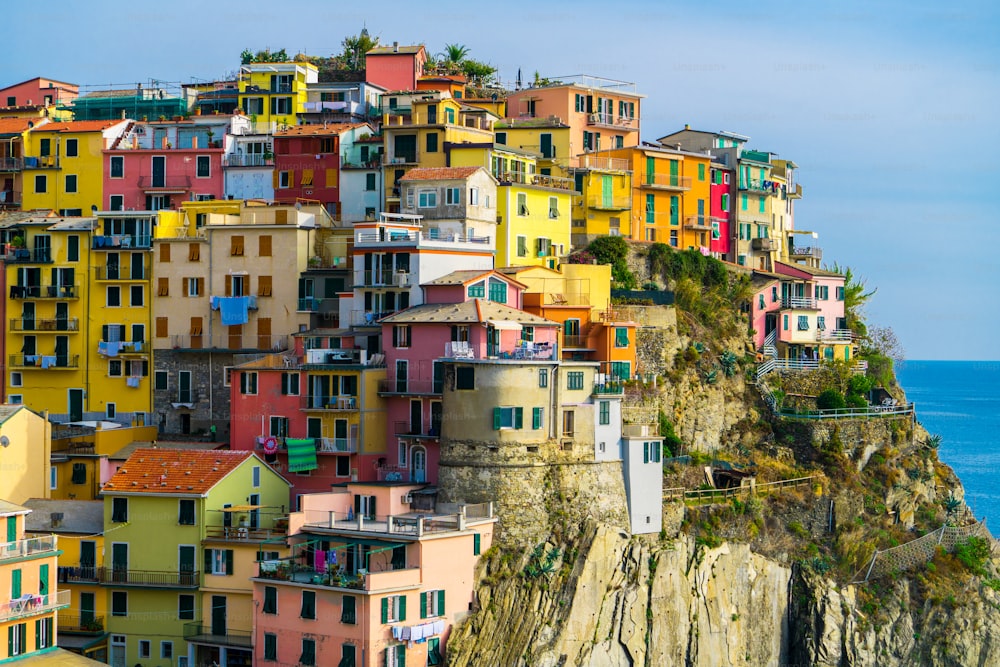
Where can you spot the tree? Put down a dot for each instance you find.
(454, 53)
(355, 48)
(883, 341)
(855, 298)
(478, 73)
(265, 56)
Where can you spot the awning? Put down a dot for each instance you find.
(504, 325)
(242, 508)
(301, 454)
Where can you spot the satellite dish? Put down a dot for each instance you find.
(298, 206)
(4, 440)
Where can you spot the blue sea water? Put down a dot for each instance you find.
(960, 401)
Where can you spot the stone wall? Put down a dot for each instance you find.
(210, 396)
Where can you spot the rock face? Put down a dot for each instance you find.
(627, 601)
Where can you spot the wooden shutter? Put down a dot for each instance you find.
(477, 544)
(264, 245)
(332, 178)
(307, 178)
(440, 606)
(264, 286)
(229, 562)
(161, 327)
(274, 179)
(236, 246)
(200, 286)
(385, 607)
(163, 284)
(194, 252)
(518, 417)
(402, 598)
(496, 419)
(195, 326)
(164, 252)
(229, 285)
(423, 605)
(209, 556)
(264, 333)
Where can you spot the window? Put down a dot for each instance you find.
(621, 337)
(508, 417)
(43, 633)
(553, 207)
(15, 399)
(41, 184)
(774, 294)
(426, 199)
(569, 422)
(760, 302)
(821, 323)
(401, 336)
(281, 105)
(543, 378)
(803, 323)
(522, 246)
(117, 166)
(784, 322)
(72, 147)
(284, 179)
(761, 202)
(465, 377)
(264, 245)
(113, 296)
(204, 166)
(270, 646)
(473, 196)
(17, 639)
(308, 609)
(248, 383)
(431, 604)
(574, 380)
(651, 452)
(348, 610)
(15, 379)
(236, 246)
(279, 427)
(537, 418)
(393, 608)
(451, 196)
(163, 284)
(604, 413)
(136, 298)
(119, 510)
(270, 600)
(194, 286)
(185, 607)
(119, 603)
(840, 294)
(167, 650)
(144, 648)
(70, 183)
(432, 142)
(185, 512)
(53, 477)
(289, 384)
(184, 394)
(395, 656)
(744, 202)
(823, 292)
(724, 205)
(522, 204)
(498, 291)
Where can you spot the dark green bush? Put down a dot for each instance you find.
(830, 399)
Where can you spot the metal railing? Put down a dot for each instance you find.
(154, 578)
(405, 429)
(29, 255)
(610, 120)
(387, 278)
(330, 403)
(410, 238)
(411, 524)
(207, 634)
(228, 342)
(121, 241)
(590, 161)
(553, 182)
(11, 164)
(410, 386)
(606, 388)
(756, 185)
(247, 160)
(54, 325)
(44, 361)
(81, 624)
(400, 159)
(165, 183)
(671, 181)
(699, 222)
(41, 162)
(808, 303)
(78, 574)
(612, 203)
(835, 335)
(807, 251)
(337, 445)
(243, 534)
(122, 272)
(28, 547)
(32, 605)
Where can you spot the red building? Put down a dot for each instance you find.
(723, 208)
(307, 163)
(395, 67)
(38, 92)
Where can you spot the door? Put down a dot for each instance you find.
(28, 316)
(492, 342)
(402, 375)
(62, 317)
(117, 650)
(119, 562)
(88, 559)
(159, 171)
(12, 529)
(254, 513)
(62, 351)
(650, 171)
(436, 418)
(219, 615)
(43, 249)
(86, 609)
(545, 144)
(606, 190)
(418, 459)
(75, 404)
(416, 417)
(185, 564)
(340, 441)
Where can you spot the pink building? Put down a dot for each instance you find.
(38, 92)
(467, 315)
(159, 165)
(378, 575)
(722, 207)
(395, 67)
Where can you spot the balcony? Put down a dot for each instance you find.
(80, 574)
(225, 341)
(33, 605)
(409, 387)
(609, 120)
(30, 256)
(337, 445)
(121, 242)
(794, 192)
(799, 303)
(11, 164)
(701, 223)
(81, 624)
(763, 245)
(808, 252)
(44, 291)
(575, 342)
(392, 237)
(757, 185)
(546, 181)
(404, 429)
(308, 304)
(206, 634)
(58, 325)
(406, 525)
(612, 203)
(34, 546)
(165, 185)
(834, 335)
(386, 279)
(330, 403)
(45, 361)
(248, 160)
(244, 534)
(399, 160)
(608, 389)
(113, 576)
(121, 273)
(665, 182)
(42, 162)
(591, 161)
(367, 318)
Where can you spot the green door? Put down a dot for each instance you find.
(185, 560)
(12, 529)
(219, 615)
(119, 562)
(88, 558)
(86, 609)
(545, 143)
(606, 193)
(75, 405)
(674, 179)
(43, 579)
(650, 171)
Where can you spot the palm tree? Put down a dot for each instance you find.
(454, 53)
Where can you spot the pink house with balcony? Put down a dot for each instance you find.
(378, 575)
(722, 208)
(466, 315)
(159, 165)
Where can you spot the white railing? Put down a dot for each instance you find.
(34, 545)
(798, 302)
(835, 335)
(409, 238)
(31, 605)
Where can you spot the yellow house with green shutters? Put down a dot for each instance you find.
(79, 526)
(27, 588)
(64, 165)
(274, 94)
(548, 137)
(603, 203)
(171, 518)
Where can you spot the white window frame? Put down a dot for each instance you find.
(219, 562)
(132, 291)
(144, 644)
(432, 598)
(473, 196)
(53, 477)
(110, 411)
(16, 379)
(453, 196)
(283, 180)
(553, 208)
(192, 287)
(166, 650)
(402, 454)
(227, 376)
(392, 610)
(107, 295)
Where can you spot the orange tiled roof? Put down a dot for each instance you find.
(439, 173)
(78, 126)
(16, 125)
(317, 130)
(180, 471)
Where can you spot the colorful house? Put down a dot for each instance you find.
(453, 202)
(41, 90)
(28, 581)
(603, 201)
(722, 208)
(79, 526)
(165, 513)
(548, 138)
(274, 94)
(63, 165)
(395, 67)
(342, 102)
(362, 190)
(26, 454)
(379, 574)
(248, 167)
(13, 140)
(80, 462)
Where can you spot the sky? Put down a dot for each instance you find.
(890, 109)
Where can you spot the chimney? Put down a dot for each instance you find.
(686, 126)
(55, 519)
(395, 47)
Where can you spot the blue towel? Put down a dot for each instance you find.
(48, 361)
(234, 310)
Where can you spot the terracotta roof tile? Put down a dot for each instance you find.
(78, 126)
(18, 125)
(439, 173)
(184, 472)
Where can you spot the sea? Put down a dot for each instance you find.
(960, 401)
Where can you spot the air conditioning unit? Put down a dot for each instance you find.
(406, 498)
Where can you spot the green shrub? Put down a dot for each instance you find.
(973, 553)
(830, 399)
(856, 401)
(860, 384)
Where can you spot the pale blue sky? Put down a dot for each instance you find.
(889, 109)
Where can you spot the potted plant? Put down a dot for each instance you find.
(17, 242)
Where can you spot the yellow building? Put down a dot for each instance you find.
(26, 441)
(274, 94)
(603, 203)
(64, 165)
(79, 525)
(28, 580)
(423, 133)
(79, 462)
(548, 137)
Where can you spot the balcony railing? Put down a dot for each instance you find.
(591, 161)
(835, 335)
(45, 361)
(613, 203)
(30, 255)
(609, 120)
(121, 272)
(206, 634)
(347, 445)
(113, 576)
(404, 429)
(757, 185)
(42, 162)
(243, 534)
(698, 222)
(308, 304)
(79, 574)
(121, 241)
(247, 160)
(388, 160)
(407, 524)
(57, 325)
(553, 182)
(410, 387)
(763, 245)
(81, 624)
(176, 183)
(11, 164)
(808, 251)
(367, 318)
(803, 302)
(411, 238)
(44, 291)
(29, 547)
(386, 278)
(228, 342)
(609, 388)
(330, 403)
(574, 341)
(665, 181)
(32, 605)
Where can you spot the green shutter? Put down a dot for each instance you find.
(536, 418)
(477, 544)
(423, 605)
(441, 602)
(645, 452)
(43, 580)
(10, 640)
(402, 607)
(229, 562)
(385, 610)
(518, 417)
(15, 584)
(496, 419)
(401, 655)
(208, 561)
(701, 172)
